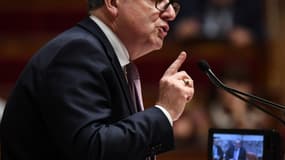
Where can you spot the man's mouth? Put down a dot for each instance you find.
(163, 30)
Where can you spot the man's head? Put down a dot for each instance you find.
(216, 140)
(140, 24)
(238, 143)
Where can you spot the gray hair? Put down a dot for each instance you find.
(94, 4)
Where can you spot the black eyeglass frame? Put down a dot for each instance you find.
(176, 6)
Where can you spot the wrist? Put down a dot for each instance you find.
(166, 113)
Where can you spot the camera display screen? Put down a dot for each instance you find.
(233, 144)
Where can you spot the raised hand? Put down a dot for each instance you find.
(176, 88)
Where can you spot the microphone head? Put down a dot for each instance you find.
(203, 65)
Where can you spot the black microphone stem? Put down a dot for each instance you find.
(260, 100)
(256, 105)
(220, 84)
(241, 95)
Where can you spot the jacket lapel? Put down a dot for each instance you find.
(94, 29)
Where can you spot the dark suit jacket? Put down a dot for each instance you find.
(241, 156)
(72, 102)
(219, 152)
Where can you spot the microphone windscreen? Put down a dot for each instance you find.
(203, 65)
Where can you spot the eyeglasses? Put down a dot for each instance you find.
(162, 5)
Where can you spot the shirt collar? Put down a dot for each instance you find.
(119, 48)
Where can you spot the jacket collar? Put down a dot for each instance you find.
(95, 30)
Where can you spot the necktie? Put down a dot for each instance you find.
(135, 86)
(135, 90)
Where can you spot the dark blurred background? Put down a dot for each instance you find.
(242, 40)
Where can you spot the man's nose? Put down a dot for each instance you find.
(169, 14)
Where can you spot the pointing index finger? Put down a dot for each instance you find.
(173, 68)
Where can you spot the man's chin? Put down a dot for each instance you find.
(157, 47)
(159, 43)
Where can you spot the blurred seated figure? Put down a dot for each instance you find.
(237, 21)
(227, 111)
(191, 130)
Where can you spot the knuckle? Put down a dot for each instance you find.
(183, 72)
(163, 80)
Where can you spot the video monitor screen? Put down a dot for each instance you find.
(240, 144)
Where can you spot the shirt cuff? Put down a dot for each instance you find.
(166, 113)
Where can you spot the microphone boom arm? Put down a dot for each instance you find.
(220, 84)
(241, 95)
(237, 93)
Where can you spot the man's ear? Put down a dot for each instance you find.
(112, 6)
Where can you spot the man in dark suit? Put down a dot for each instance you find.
(236, 151)
(217, 151)
(72, 100)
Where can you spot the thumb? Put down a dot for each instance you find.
(173, 68)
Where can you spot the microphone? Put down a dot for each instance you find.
(204, 66)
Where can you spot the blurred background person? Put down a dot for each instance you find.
(191, 130)
(241, 22)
